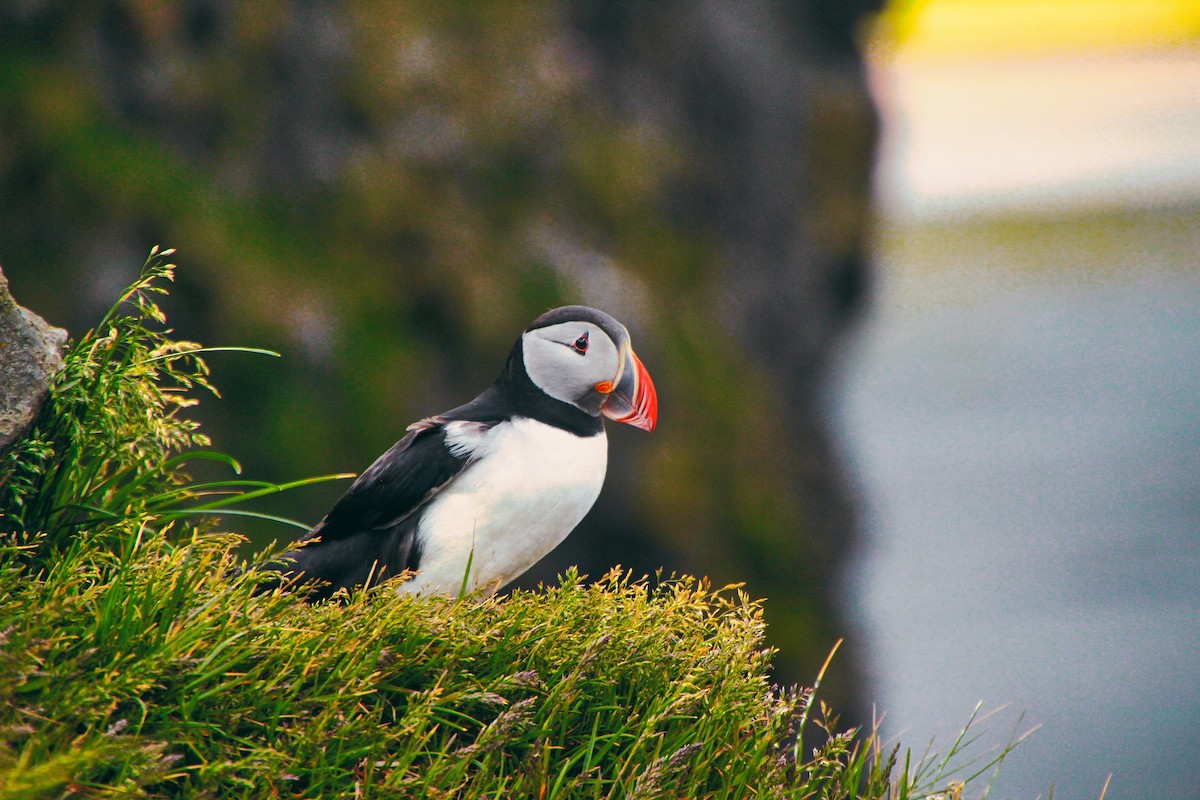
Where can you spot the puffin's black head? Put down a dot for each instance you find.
(583, 357)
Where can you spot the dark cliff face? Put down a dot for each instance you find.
(780, 133)
(387, 199)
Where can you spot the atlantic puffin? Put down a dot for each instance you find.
(471, 498)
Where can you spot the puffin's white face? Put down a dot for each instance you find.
(575, 362)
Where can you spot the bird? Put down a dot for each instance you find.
(471, 498)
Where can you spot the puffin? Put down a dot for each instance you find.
(471, 498)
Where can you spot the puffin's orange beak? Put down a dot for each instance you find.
(632, 398)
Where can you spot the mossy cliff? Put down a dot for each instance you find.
(135, 659)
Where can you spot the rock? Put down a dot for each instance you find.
(30, 355)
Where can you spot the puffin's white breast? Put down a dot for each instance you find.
(528, 486)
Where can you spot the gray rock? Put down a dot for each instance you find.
(30, 355)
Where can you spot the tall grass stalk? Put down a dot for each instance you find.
(112, 443)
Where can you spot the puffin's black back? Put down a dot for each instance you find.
(370, 534)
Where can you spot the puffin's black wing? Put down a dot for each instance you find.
(370, 534)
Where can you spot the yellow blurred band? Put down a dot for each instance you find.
(992, 27)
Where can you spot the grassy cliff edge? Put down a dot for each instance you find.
(136, 661)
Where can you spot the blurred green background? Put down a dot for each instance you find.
(387, 193)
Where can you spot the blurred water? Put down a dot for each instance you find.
(1023, 415)
(1031, 465)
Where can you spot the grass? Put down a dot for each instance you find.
(136, 660)
(112, 445)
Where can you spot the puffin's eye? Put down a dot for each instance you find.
(580, 344)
